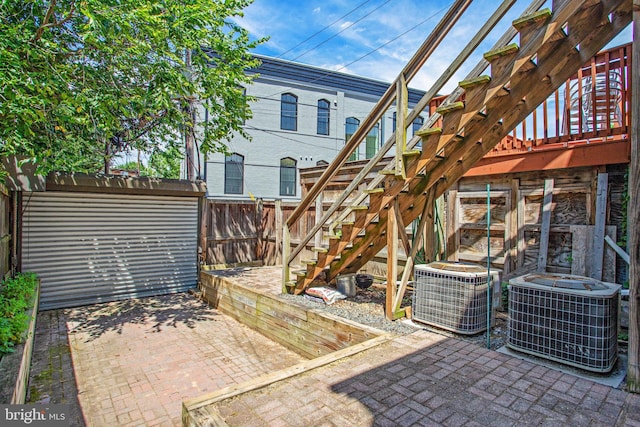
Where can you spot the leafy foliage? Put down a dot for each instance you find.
(163, 163)
(83, 80)
(15, 296)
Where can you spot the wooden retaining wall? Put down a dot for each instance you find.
(308, 332)
(15, 367)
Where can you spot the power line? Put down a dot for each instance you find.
(295, 140)
(325, 28)
(340, 32)
(321, 77)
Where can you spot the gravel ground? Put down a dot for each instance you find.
(367, 307)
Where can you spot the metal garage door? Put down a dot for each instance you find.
(89, 247)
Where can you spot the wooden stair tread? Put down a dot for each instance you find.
(478, 81)
(537, 17)
(508, 62)
(500, 52)
(449, 108)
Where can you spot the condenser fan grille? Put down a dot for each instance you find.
(568, 319)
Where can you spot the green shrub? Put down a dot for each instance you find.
(15, 295)
(505, 296)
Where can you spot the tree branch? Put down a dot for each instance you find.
(47, 17)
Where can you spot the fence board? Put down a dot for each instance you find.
(5, 231)
(241, 232)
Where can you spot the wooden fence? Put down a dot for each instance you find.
(246, 232)
(5, 231)
(521, 236)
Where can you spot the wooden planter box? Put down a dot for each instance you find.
(14, 367)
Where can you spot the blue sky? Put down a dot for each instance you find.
(357, 36)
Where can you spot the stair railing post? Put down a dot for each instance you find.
(402, 109)
(318, 237)
(286, 250)
(392, 262)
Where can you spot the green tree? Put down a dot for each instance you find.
(83, 80)
(165, 163)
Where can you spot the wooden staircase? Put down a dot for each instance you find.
(552, 45)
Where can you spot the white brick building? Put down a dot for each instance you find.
(301, 117)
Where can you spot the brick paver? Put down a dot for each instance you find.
(507, 393)
(136, 360)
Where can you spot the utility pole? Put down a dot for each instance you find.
(189, 136)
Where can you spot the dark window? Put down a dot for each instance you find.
(372, 143)
(233, 174)
(417, 124)
(323, 117)
(287, 177)
(350, 128)
(394, 123)
(289, 112)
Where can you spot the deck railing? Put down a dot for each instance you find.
(591, 107)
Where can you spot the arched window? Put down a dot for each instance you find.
(289, 112)
(288, 177)
(233, 174)
(323, 117)
(417, 124)
(350, 128)
(372, 142)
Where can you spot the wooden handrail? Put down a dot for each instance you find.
(509, 34)
(409, 71)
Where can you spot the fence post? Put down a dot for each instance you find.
(279, 224)
(286, 250)
(319, 213)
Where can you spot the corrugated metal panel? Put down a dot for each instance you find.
(89, 248)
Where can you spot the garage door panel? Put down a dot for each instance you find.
(89, 248)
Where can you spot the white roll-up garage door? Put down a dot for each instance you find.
(89, 247)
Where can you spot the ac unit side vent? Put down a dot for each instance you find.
(453, 296)
(565, 318)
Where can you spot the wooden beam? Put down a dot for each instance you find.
(279, 231)
(402, 229)
(545, 225)
(402, 108)
(318, 237)
(426, 220)
(513, 226)
(452, 224)
(392, 262)
(272, 377)
(618, 249)
(598, 235)
(596, 154)
(633, 366)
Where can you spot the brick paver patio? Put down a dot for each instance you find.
(425, 379)
(136, 360)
